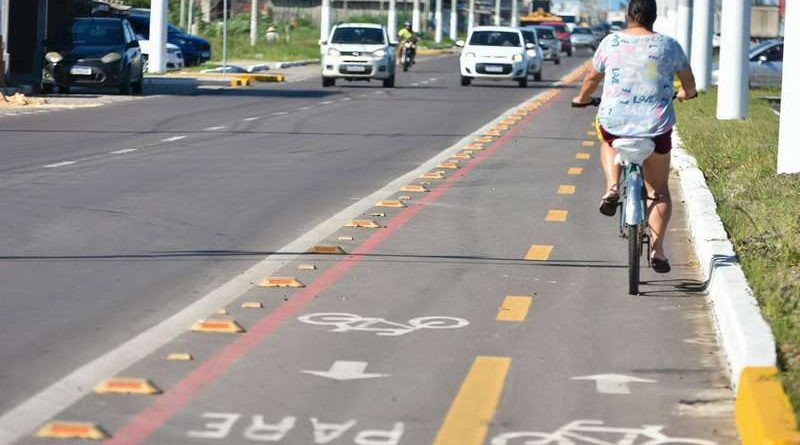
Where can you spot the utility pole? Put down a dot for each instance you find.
(471, 16)
(391, 18)
(415, 17)
(496, 12)
(788, 151)
(734, 66)
(253, 22)
(438, 18)
(325, 20)
(453, 19)
(157, 61)
(685, 26)
(514, 13)
(702, 35)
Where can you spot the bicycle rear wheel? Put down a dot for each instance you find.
(634, 255)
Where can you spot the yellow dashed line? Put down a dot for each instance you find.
(591, 133)
(473, 409)
(566, 189)
(539, 252)
(515, 308)
(556, 216)
(583, 156)
(574, 171)
(588, 143)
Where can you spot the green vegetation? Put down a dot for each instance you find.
(298, 40)
(760, 210)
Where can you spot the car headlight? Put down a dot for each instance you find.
(532, 53)
(111, 58)
(53, 57)
(334, 52)
(469, 55)
(379, 53)
(516, 57)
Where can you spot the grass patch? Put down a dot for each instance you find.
(760, 210)
(297, 42)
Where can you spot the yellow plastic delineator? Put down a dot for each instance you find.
(462, 155)
(583, 156)
(72, 430)
(574, 171)
(220, 326)
(180, 356)
(252, 305)
(450, 165)
(484, 139)
(391, 203)
(493, 133)
(556, 216)
(124, 385)
(474, 147)
(764, 415)
(501, 127)
(327, 250)
(414, 188)
(345, 238)
(363, 223)
(433, 175)
(307, 267)
(282, 282)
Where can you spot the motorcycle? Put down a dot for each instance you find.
(409, 50)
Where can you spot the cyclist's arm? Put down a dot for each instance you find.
(688, 89)
(589, 86)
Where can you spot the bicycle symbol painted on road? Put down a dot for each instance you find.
(587, 431)
(345, 322)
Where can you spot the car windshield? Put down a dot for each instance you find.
(582, 31)
(529, 36)
(559, 28)
(494, 38)
(545, 33)
(362, 36)
(92, 32)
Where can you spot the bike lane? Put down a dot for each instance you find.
(437, 329)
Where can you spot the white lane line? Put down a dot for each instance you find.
(173, 139)
(415, 84)
(123, 151)
(433, 79)
(21, 420)
(215, 128)
(280, 113)
(304, 108)
(59, 164)
(326, 102)
(424, 82)
(346, 99)
(250, 119)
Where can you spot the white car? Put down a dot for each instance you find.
(536, 54)
(358, 51)
(495, 53)
(174, 55)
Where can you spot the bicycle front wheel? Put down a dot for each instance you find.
(634, 255)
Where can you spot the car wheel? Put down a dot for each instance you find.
(328, 82)
(47, 88)
(569, 53)
(557, 61)
(125, 87)
(537, 76)
(389, 83)
(138, 87)
(523, 83)
(63, 89)
(465, 81)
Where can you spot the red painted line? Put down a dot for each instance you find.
(148, 421)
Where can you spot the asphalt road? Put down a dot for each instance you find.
(117, 217)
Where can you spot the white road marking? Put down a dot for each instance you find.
(424, 82)
(173, 139)
(280, 113)
(326, 102)
(433, 79)
(344, 370)
(347, 99)
(215, 128)
(415, 84)
(613, 383)
(120, 152)
(250, 119)
(304, 108)
(59, 164)
(345, 322)
(593, 431)
(21, 420)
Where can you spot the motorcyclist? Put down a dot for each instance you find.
(407, 34)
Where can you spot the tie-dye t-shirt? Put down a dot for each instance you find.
(637, 90)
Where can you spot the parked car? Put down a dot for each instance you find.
(583, 37)
(195, 50)
(494, 53)
(534, 54)
(766, 64)
(358, 51)
(94, 52)
(174, 55)
(562, 33)
(551, 46)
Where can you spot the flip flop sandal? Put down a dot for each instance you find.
(609, 204)
(661, 265)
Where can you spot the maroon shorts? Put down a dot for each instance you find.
(663, 141)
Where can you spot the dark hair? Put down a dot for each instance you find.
(643, 12)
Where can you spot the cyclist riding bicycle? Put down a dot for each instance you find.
(407, 34)
(639, 67)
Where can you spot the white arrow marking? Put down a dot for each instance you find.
(613, 383)
(343, 370)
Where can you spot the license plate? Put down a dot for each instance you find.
(81, 70)
(494, 69)
(356, 69)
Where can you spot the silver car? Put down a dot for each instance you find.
(583, 37)
(766, 65)
(551, 46)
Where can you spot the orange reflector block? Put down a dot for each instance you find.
(307, 267)
(462, 155)
(501, 127)
(566, 189)
(474, 147)
(328, 250)
(221, 326)
(221, 311)
(450, 165)
(252, 305)
(414, 188)
(363, 223)
(345, 238)
(378, 214)
(390, 203)
(493, 133)
(583, 156)
(556, 216)
(588, 143)
(71, 430)
(282, 282)
(574, 171)
(180, 356)
(433, 175)
(121, 385)
(484, 139)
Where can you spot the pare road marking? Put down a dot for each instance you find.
(220, 426)
(345, 322)
(593, 431)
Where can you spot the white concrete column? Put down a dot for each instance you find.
(253, 22)
(471, 16)
(190, 17)
(702, 35)
(4, 33)
(157, 60)
(325, 20)
(437, 16)
(415, 17)
(496, 12)
(734, 67)
(514, 13)
(453, 19)
(788, 146)
(182, 18)
(684, 35)
(391, 18)
(224, 36)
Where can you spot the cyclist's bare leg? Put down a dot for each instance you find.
(656, 174)
(611, 169)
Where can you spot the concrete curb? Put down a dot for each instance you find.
(763, 413)
(282, 65)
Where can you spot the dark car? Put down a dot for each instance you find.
(563, 35)
(94, 52)
(196, 50)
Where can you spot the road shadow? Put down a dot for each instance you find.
(677, 286)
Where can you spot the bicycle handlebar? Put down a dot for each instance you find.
(595, 102)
